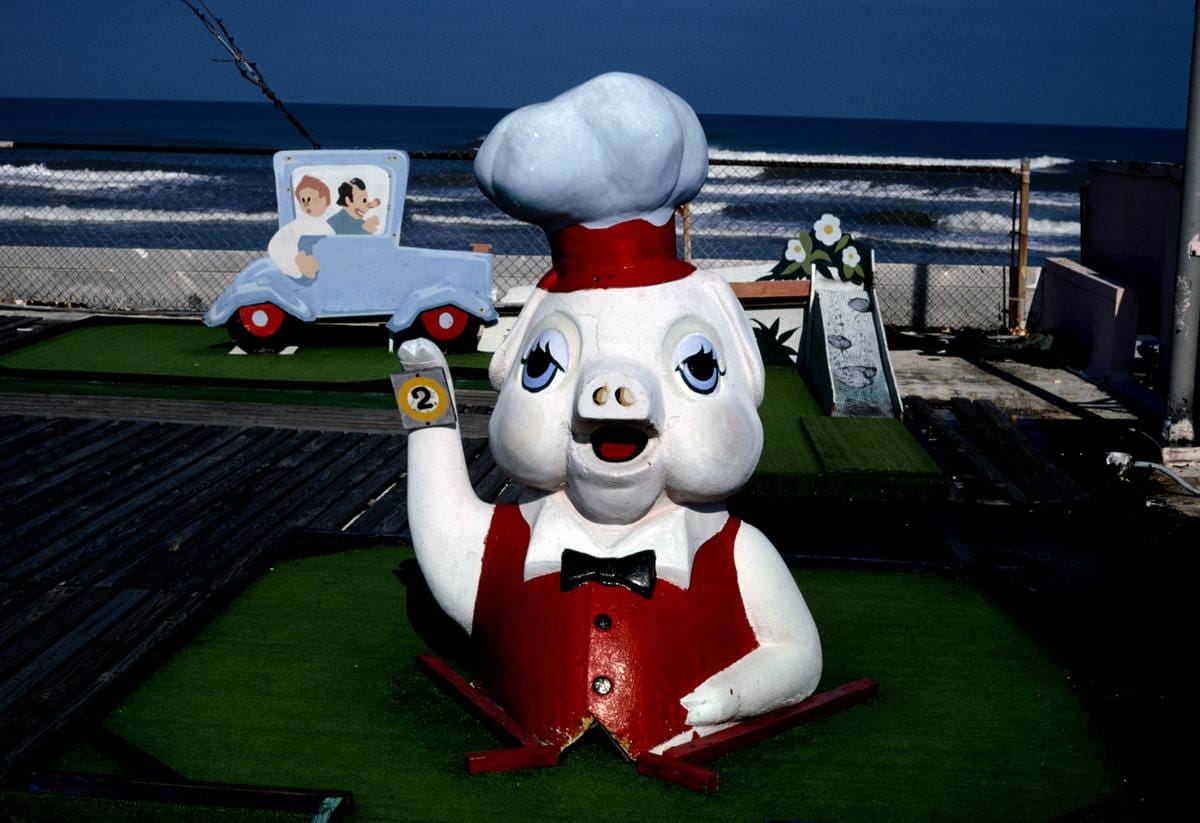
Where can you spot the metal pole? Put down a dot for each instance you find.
(1178, 425)
(1016, 299)
(686, 211)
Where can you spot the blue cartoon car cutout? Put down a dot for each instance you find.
(337, 255)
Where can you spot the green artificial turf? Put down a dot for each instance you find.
(308, 681)
(192, 350)
(804, 453)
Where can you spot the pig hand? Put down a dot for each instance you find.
(421, 354)
(709, 704)
(424, 354)
(371, 224)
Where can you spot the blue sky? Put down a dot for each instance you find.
(1087, 62)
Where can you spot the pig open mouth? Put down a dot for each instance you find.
(618, 444)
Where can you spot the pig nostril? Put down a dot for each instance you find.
(600, 396)
(624, 396)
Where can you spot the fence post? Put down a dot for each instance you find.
(1016, 288)
(686, 211)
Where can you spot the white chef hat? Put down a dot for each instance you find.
(618, 147)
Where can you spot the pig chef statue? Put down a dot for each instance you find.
(620, 593)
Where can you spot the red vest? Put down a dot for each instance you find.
(557, 660)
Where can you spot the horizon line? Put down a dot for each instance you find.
(508, 109)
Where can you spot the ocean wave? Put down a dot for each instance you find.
(69, 214)
(465, 220)
(39, 176)
(980, 220)
(766, 157)
(870, 190)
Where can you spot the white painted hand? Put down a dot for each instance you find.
(421, 354)
(709, 704)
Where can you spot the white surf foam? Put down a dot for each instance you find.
(69, 214)
(994, 221)
(1036, 163)
(869, 190)
(39, 176)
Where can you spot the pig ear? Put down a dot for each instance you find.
(746, 356)
(509, 352)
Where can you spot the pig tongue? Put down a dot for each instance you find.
(617, 451)
(617, 444)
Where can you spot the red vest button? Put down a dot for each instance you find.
(602, 685)
(603, 622)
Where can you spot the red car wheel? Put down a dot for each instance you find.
(445, 323)
(261, 319)
(262, 327)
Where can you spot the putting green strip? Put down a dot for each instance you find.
(192, 350)
(846, 445)
(308, 680)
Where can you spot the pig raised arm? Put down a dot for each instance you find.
(449, 524)
(786, 666)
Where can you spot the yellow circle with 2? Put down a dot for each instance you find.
(422, 399)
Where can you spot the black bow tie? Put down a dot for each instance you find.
(635, 571)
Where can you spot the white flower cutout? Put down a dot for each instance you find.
(828, 229)
(851, 257)
(795, 250)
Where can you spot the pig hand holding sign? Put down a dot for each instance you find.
(621, 592)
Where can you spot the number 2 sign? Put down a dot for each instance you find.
(424, 398)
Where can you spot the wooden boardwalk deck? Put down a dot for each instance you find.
(118, 539)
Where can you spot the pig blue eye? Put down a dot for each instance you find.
(545, 357)
(697, 363)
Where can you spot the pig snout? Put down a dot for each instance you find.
(618, 409)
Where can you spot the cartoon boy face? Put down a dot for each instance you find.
(312, 202)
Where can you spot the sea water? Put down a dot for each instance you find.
(58, 197)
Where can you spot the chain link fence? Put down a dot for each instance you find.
(166, 230)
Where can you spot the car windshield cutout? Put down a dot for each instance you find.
(354, 200)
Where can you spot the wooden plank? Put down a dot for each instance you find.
(772, 291)
(490, 485)
(62, 503)
(1073, 492)
(248, 540)
(28, 661)
(153, 534)
(34, 611)
(341, 510)
(67, 553)
(1020, 470)
(115, 434)
(56, 450)
(388, 517)
(19, 427)
(14, 443)
(512, 493)
(358, 483)
(955, 446)
(242, 515)
(86, 679)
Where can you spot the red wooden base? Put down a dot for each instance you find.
(757, 729)
(528, 752)
(676, 765)
(679, 772)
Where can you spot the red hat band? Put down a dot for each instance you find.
(633, 253)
